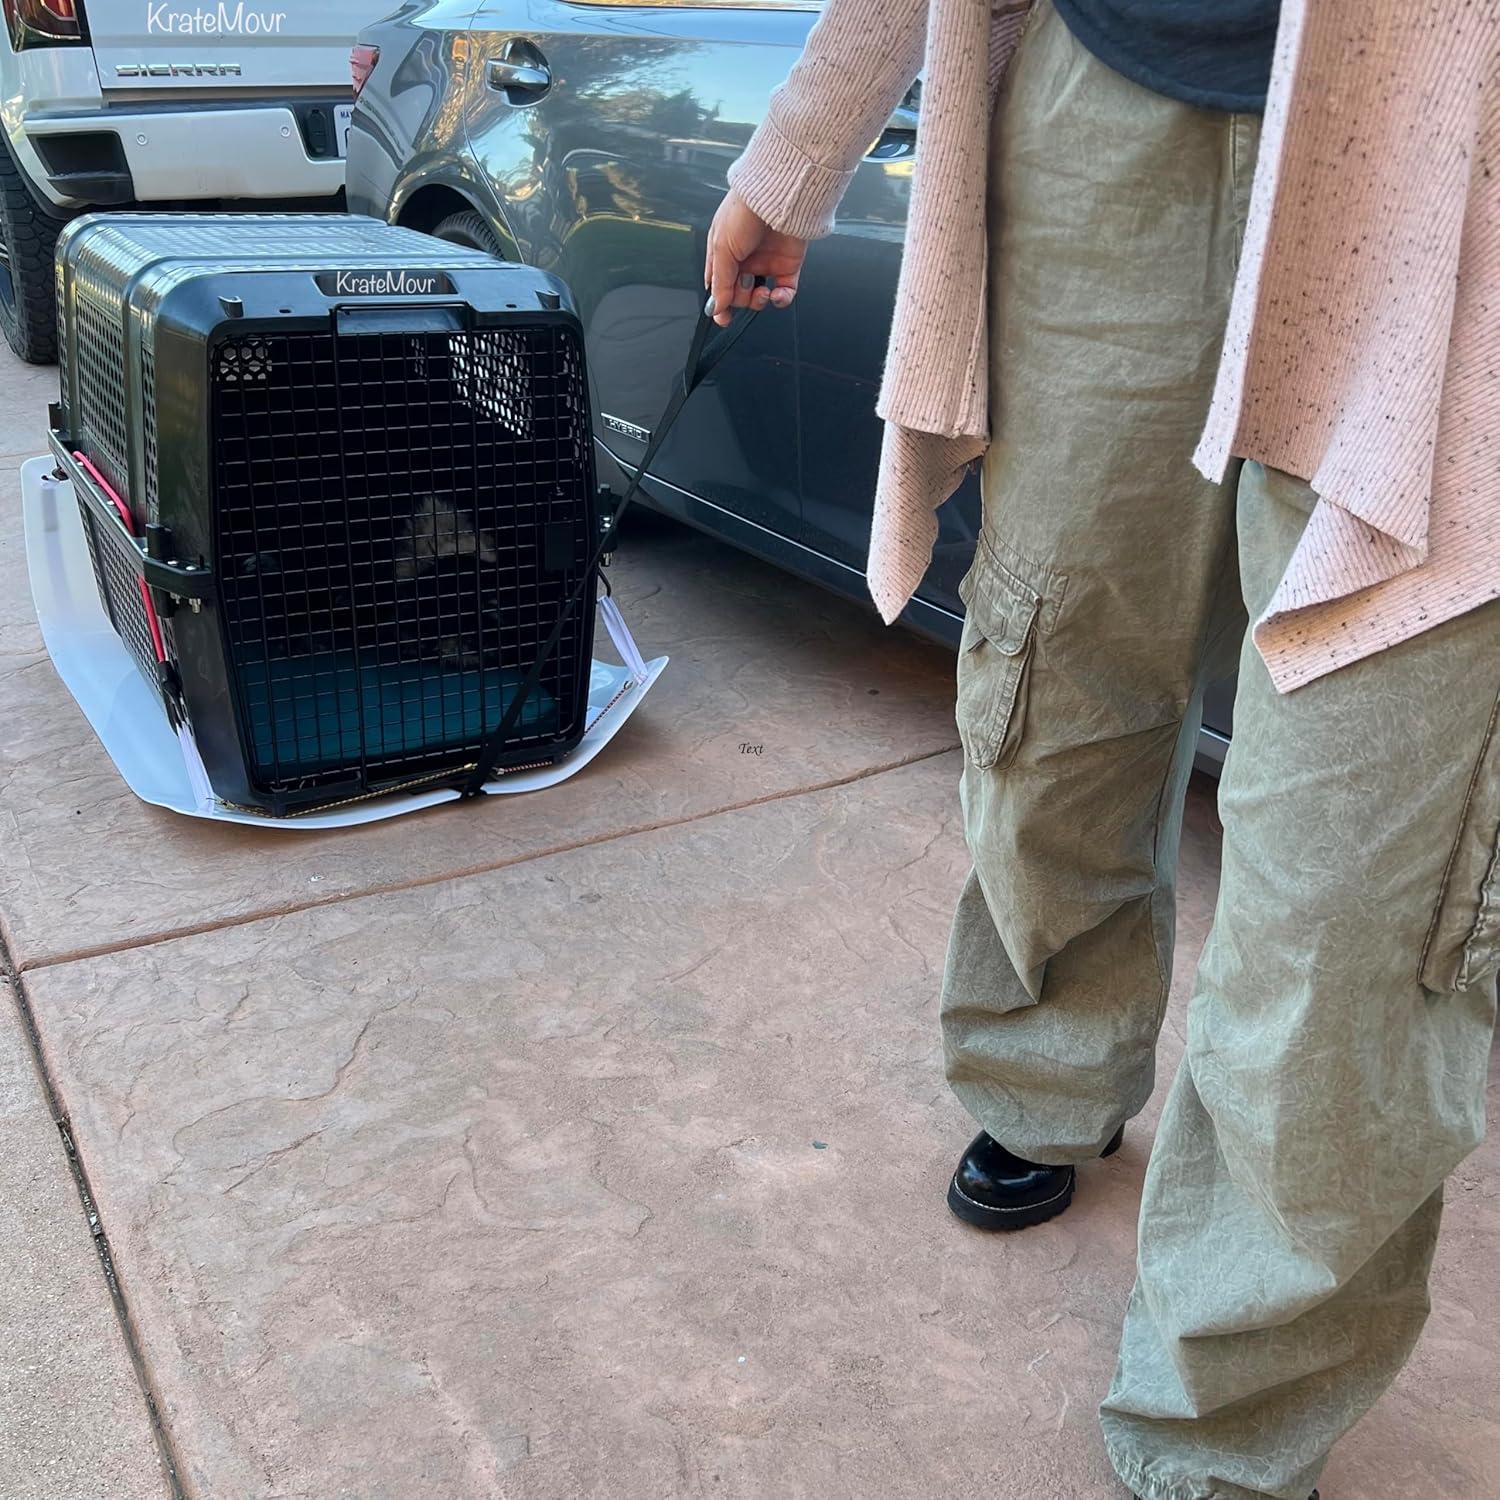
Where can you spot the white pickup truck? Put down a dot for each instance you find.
(159, 104)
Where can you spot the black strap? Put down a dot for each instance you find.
(704, 353)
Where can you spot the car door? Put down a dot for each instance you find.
(603, 132)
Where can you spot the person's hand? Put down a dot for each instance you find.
(742, 246)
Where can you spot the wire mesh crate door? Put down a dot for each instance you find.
(380, 502)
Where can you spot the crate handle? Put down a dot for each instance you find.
(400, 317)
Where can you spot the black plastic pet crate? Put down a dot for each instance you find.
(357, 467)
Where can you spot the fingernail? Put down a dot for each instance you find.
(708, 307)
(746, 282)
(781, 296)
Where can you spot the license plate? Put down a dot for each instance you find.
(343, 117)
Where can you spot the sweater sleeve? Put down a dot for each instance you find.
(858, 61)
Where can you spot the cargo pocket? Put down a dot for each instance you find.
(1003, 613)
(1463, 942)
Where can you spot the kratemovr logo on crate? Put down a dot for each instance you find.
(399, 282)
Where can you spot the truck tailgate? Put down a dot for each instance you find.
(226, 46)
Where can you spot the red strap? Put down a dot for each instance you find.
(129, 521)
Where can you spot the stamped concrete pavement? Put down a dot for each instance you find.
(593, 1143)
(73, 1418)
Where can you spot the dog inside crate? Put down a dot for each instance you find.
(386, 603)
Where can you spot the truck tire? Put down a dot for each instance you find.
(28, 236)
(472, 231)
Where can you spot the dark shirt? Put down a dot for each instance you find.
(1212, 53)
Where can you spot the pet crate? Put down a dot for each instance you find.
(337, 483)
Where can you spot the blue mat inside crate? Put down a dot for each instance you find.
(310, 712)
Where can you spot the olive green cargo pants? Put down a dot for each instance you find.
(1342, 1017)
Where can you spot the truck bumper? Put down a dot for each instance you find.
(167, 155)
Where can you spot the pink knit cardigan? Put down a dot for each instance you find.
(1363, 346)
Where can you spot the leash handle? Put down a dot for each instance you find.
(704, 353)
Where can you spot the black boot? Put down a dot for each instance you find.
(995, 1189)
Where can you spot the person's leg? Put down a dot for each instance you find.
(1337, 1050)
(1103, 581)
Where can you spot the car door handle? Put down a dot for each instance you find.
(899, 138)
(520, 73)
(515, 75)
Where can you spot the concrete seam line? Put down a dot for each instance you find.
(295, 908)
(166, 1452)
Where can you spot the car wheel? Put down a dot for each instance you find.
(472, 230)
(28, 236)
